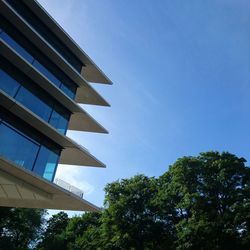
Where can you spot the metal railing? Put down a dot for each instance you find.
(69, 187)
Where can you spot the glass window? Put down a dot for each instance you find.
(59, 119)
(8, 84)
(46, 163)
(50, 70)
(19, 49)
(16, 147)
(26, 147)
(46, 73)
(46, 33)
(33, 97)
(69, 91)
(34, 103)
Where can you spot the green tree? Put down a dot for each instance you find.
(79, 232)
(199, 203)
(55, 237)
(84, 232)
(20, 228)
(211, 196)
(131, 219)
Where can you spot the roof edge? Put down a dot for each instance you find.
(51, 23)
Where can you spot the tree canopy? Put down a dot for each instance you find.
(211, 198)
(200, 203)
(20, 228)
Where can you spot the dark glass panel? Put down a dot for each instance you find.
(26, 129)
(46, 73)
(27, 147)
(21, 126)
(46, 33)
(15, 147)
(34, 103)
(33, 97)
(50, 70)
(69, 91)
(8, 84)
(59, 119)
(46, 163)
(19, 49)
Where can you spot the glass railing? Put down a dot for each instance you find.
(69, 187)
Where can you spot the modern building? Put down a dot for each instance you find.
(44, 75)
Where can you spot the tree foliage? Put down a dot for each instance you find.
(54, 236)
(20, 228)
(211, 194)
(200, 203)
(131, 220)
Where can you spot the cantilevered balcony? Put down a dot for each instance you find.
(20, 187)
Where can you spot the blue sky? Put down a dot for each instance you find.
(181, 73)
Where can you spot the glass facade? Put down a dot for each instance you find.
(25, 150)
(49, 75)
(32, 150)
(46, 33)
(17, 47)
(59, 119)
(46, 163)
(20, 87)
(25, 49)
(34, 103)
(8, 84)
(19, 142)
(26, 39)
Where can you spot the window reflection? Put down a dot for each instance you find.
(23, 153)
(32, 150)
(46, 163)
(59, 119)
(69, 90)
(8, 84)
(46, 73)
(20, 50)
(34, 103)
(33, 98)
(47, 34)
